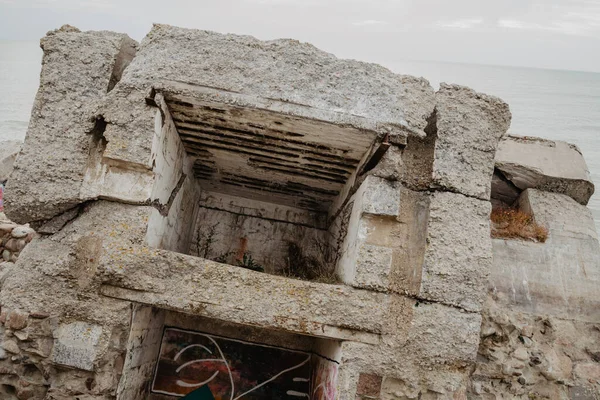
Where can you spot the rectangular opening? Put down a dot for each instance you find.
(512, 216)
(252, 187)
(171, 355)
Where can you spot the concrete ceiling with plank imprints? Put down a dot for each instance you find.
(268, 156)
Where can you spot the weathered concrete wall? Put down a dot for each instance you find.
(362, 263)
(274, 245)
(175, 190)
(469, 125)
(62, 346)
(540, 334)
(535, 356)
(411, 236)
(559, 277)
(424, 243)
(76, 75)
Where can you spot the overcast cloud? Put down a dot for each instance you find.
(563, 34)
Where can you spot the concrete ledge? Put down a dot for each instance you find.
(552, 166)
(197, 286)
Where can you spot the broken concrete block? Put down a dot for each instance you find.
(469, 125)
(77, 71)
(552, 166)
(458, 256)
(562, 215)
(379, 196)
(8, 154)
(76, 345)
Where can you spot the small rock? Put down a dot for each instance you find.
(11, 245)
(582, 393)
(38, 315)
(30, 237)
(518, 365)
(522, 380)
(21, 231)
(21, 243)
(21, 335)
(535, 360)
(16, 321)
(25, 393)
(7, 227)
(6, 255)
(3, 217)
(487, 331)
(3, 354)
(11, 346)
(521, 354)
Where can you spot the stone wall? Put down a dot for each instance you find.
(13, 239)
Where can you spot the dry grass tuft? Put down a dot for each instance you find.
(309, 268)
(511, 223)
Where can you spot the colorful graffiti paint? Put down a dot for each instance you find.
(231, 369)
(324, 379)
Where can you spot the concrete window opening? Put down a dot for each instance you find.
(252, 187)
(171, 355)
(512, 214)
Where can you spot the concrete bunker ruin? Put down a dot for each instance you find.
(188, 167)
(195, 153)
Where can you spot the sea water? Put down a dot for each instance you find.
(553, 104)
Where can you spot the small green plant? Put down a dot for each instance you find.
(223, 257)
(250, 263)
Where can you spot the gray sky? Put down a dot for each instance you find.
(561, 34)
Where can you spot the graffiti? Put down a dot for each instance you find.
(203, 393)
(231, 369)
(324, 378)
